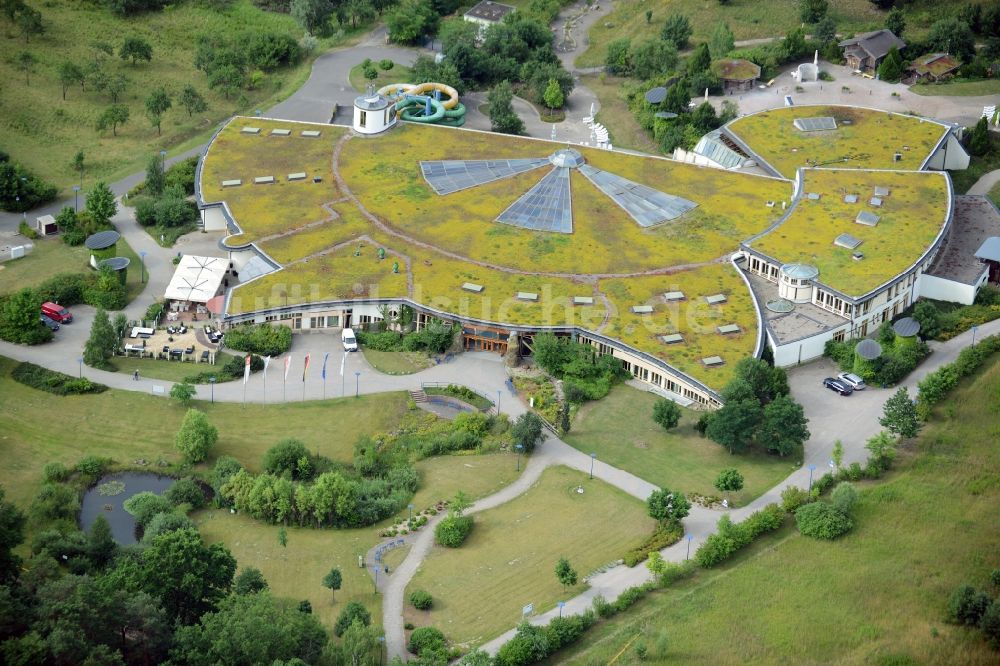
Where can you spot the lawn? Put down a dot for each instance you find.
(475, 475)
(397, 363)
(919, 534)
(509, 558)
(52, 256)
(398, 74)
(959, 88)
(910, 218)
(296, 571)
(43, 131)
(621, 431)
(623, 129)
(748, 19)
(171, 371)
(866, 139)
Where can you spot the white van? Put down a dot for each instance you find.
(350, 342)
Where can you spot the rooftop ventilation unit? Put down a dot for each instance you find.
(858, 256)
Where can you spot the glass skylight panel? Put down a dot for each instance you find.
(545, 207)
(645, 205)
(447, 176)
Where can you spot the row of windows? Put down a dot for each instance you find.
(647, 375)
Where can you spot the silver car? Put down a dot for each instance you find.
(852, 380)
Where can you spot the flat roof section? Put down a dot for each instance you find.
(976, 219)
(789, 321)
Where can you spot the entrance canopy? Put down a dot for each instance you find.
(197, 279)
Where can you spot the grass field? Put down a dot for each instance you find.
(43, 131)
(475, 475)
(398, 74)
(621, 431)
(919, 534)
(959, 88)
(509, 559)
(52, 256)
(397, 363)
(171, 371)
(748, 19)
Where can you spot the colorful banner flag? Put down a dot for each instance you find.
(267, 361)
(305, 367)
(325, 356)
(246, 370)
(288, 364)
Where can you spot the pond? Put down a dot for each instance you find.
(111, 505)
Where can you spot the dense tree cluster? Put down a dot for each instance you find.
(586, 375)
(230, 62)
(20, 189)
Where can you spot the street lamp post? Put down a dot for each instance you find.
(561, 604)
(211, 380)
(163, 160)
(410, 507)
(357, 383)
(593, 456)
(812, 468)
(974, 328)
(689, 538)
(80, 361)
(381, 651)
(498, 403)
(142, 267)
(76, 198)
(518, 448)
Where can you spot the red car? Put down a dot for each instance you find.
(56, 312)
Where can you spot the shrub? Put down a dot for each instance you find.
(289, 456)
(51, 381)
(967, 605)
(352, 611)
(824, 483)
(27, 231)
(844, 498)
(145, 505)
(602, 607)
(793, 497)
(421, 600)
(665, 534)
(822, 521)
(263, 339)
(92, 467)
(475, 423)
(990, 623)
(161, 523)
(55, 472)
(730, 537)
(186, 491)
(453, 530)
(630, 596)
(425, 638)
(55, 501)
(666, 413)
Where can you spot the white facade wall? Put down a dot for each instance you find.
(951, 155)
(804, 350)
(941, 289)
(213, 218)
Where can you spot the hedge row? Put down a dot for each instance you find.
(731, 537)
(51, 381)
(263, 339)
(664, 535)
(936, 385)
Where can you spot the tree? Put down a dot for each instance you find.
(115, 85)
(953, 36)
(113, 116)
(411, 20)
(721, 42)
(26, 62)
(838, 453)
(882, 448)
(69, 74)
(102, 342)
(502, 116)
(187, 576)
(286, 457)
(527, 431)
(553, 96)
(700, 60)
(666, 413)
(183, 393)
(678, 97)
(312, 15)
(979, 144)
(667, 506)
(565, 574)
(192, 101)
(990, 623)
(361, 646)
(617, 59)
(899, 415)
(101, 204)
(929, 318)
(163, 523)
(196, 436)
(19, 318)
(825, 30)
(967, 605)
(283, 537)
(729, 481)
(844, 497)
(354, 610)
(78, 164)
(147, 505)
(677, 29)
(783, 429)
(734, 425)
(564, 424)
(895, 21)
(811, 11)
(157, 104)
(652, 57)
(249, 581)
(11, 535)
(156, 179)
(765, 381)
(135, 49)
(101, 546)
(29, 20)
(332, 581)
(891, 68)
(370, 71)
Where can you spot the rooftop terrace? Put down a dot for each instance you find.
(864, 138)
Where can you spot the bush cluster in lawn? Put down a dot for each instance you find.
(20, 189)
(585, 374)
(51, 381)
(421, 599)
(263, 339)
(453, 530)
(432, 339)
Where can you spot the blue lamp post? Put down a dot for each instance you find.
(76, 198)
(561, 604)
(518, 447)
(142, 267)
(80, 361)
(163, 160)
(690, 538)
(211, 380)
(812, 468)
(357, 383)
(593, 456)
(381, 645)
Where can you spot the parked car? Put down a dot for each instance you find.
(838, 386)
(852, 380)
(51, 323)
(350, 342)
(57, 312)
